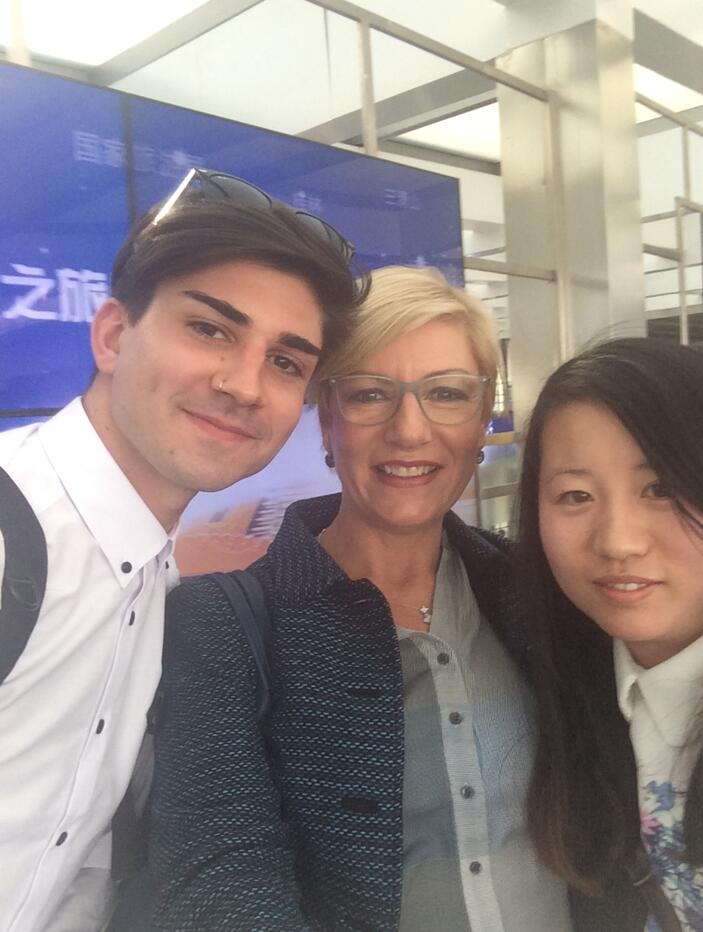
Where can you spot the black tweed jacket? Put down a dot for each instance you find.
(300, 829)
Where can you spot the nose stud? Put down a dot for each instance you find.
(221, 384)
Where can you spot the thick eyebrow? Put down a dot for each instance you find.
(222, 307)
(290, 340)
(294, 341)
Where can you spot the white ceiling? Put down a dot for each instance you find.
(89, 32)
(289, 65)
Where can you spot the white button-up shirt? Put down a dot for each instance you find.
(662, 705)
(73, 709)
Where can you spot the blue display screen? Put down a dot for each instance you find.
(64, 196)
(393, 214)
(63, 214)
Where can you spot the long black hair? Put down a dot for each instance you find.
(583, 810)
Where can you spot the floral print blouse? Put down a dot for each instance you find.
(660, 705)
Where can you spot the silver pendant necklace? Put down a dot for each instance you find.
(426, 613)
(424, 610)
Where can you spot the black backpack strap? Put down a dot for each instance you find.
(245, 595)
(24, 578)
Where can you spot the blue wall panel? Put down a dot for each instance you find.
(63, 214)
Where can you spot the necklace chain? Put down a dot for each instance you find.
(424, 610)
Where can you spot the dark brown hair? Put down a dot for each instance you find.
(199, 234)
(582, 807)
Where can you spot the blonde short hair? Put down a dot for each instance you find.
(401, 299)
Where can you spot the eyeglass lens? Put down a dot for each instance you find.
(216, 185)
(444, 399)
(320, 227)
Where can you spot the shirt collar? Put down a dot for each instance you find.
(672, 691)
(125, 529)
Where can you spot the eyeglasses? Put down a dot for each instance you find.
(443, 399)
(218, 186)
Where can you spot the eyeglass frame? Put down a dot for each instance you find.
(338, 242)
(409, 388)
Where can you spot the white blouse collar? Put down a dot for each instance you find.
(672, 691)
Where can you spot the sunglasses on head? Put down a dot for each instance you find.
(219, 186)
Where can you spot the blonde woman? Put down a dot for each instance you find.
(387, 791)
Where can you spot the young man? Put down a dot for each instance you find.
(220, 309)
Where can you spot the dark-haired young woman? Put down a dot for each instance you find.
(612, 553)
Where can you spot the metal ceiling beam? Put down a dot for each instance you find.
(661, 124)
(670, 116)
(413, 109)
(178, 33)
(668, 52)
(439, 157)
(425, 44)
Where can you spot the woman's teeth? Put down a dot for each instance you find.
(406, 472)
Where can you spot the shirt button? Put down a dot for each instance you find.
(61, 839)
(101, 725)
(467, 791)
(126, 567)
(456, 718)
(443, 659)
(132, 618)
(475, 867)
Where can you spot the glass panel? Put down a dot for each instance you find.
(695, 155)
(404, 66)
(284, 64)
(474, 133)
(498, 515)
(500, 466)
(659, 188)
(466, 506)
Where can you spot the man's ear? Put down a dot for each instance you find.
(110, 322)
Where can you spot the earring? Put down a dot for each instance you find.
(480, 457)
(329, 460)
